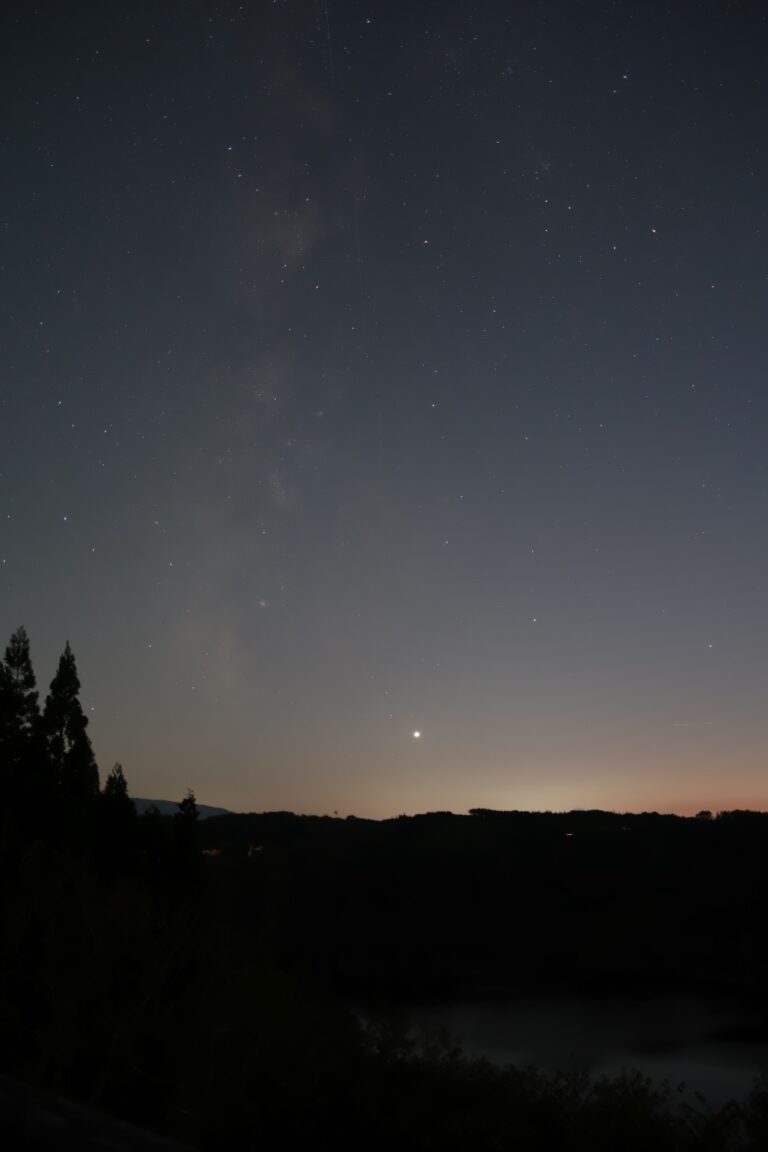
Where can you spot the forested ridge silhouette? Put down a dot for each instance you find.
(191, 976)
(495, 902)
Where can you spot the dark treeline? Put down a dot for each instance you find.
(50, 790)
(186, 975)
(495, 902)
(48, 764)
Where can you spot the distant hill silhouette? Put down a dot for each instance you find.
(500, 903)
(170, 807)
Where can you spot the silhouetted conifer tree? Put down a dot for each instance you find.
(65, 727)
(7, 741)
(185, 832)
(188, 808)
(19, 712)
(7, 715)
(119, 809)
(117, 833)
(21, 682)
(116, 789)
(21, 749)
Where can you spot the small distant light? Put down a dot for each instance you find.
(417, 735)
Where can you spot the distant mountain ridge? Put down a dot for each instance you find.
(169, 807)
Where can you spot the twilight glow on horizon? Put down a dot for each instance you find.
(383, 402)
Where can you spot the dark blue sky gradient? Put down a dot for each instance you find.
(377, 369)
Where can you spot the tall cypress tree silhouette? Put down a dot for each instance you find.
(7, 715)
(21, 680)
(7, 743)
(21, 752)
(65, 726)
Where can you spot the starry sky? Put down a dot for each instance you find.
(371, 369)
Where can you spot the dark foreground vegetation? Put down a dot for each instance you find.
(190, 976)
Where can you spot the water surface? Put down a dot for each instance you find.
(711, 1048)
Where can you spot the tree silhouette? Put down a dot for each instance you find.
(185, 833)
(8, 735)
(19, 711)
(8, 718)
(20, 680)
(21, 751)
(117, 832)
(116, 788)
(188, 808)
(65, 727)
(118, 808)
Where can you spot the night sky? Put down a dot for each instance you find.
(373, 369)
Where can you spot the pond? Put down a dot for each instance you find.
(711, 1048)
